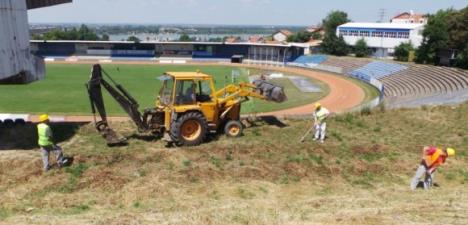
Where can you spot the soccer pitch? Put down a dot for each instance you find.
(63, 91)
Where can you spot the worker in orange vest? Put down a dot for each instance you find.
(432, 158)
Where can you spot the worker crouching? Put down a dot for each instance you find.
(432, 158)
(47, 145)
(320, 124)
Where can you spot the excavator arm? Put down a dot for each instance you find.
(125, 100)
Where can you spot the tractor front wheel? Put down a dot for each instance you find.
(189, 129)
(233, 128)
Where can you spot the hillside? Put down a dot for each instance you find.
(359, 176)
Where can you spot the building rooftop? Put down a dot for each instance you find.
(382, 25)
(34, 4)
(256, 39)
(286, 32)
(409, 15)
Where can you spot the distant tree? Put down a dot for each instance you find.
(36, 37)
(361, 49)
(301, 37)
(333, 20)
(331, 43)
(216, 39)
(402, 51)
(83, 33)
(435, 37)
(105, 37)
(457, 26)
(317, 36)
(185, 38)
(462, 58)
(335, 46)
(134, 39)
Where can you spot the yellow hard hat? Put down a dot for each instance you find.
(450, 152)
(318, 105)
(43, 117)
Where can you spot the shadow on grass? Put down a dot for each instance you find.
(269, 120)
(21, 135)
(273, 121)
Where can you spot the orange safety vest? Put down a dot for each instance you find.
(435, 159)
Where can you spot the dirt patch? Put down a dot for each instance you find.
(361, 167)
(19, 170)
(367, 150)
(101, 178)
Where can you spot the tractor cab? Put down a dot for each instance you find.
(185, 89)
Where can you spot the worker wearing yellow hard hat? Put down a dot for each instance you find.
(320, 124)
(45, 142)
(432, 158)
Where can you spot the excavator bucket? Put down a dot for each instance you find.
(270, 91)
(112, 137)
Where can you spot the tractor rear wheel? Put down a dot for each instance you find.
(189, 129)
(233, 128)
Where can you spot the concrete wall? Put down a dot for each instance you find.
(16, 62)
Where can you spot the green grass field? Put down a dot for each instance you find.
(63, 91)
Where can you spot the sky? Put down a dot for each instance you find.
(230, 12)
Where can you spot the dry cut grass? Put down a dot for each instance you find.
(359, 176)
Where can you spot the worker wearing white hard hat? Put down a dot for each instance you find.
(320, 124)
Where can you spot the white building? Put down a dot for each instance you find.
(282, 35)
(382, 37)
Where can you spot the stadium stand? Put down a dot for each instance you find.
(405, 85)
(377, 70)
(347, 63)
(310, 59)
(422, 80)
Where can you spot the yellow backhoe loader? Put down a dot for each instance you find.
(187, 109)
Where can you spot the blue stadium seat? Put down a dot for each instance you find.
(310, 59)
(377, 70)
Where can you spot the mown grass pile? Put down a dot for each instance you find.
(359, 176)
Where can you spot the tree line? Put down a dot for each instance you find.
(446, 31)
(82, 33)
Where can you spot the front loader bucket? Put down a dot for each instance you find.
(270, 91)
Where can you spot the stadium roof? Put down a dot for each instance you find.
(172, 42)
(409, 26)
(34, 4)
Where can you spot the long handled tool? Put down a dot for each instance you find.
(306, 133)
